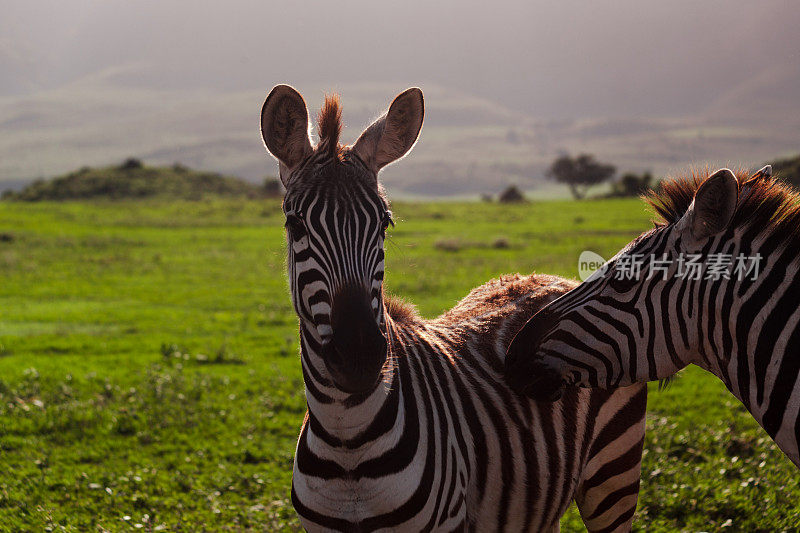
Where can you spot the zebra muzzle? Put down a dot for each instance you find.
(526, 371)
(356, 367)
(358, 349)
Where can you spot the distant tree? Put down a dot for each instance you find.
(131, 164)
(486, 197)
(579, 173)
(788, 170)
(631, 184)
(511, 195)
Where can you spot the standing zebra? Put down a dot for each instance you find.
(409, 424)
(739, 319)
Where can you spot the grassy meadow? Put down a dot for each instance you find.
(149, 377)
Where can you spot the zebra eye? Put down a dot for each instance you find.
(387, 220)
(295, 226)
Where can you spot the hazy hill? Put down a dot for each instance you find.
(769, 98)
(645, 85)
(469, 145)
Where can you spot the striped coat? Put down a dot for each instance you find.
(734, 314)
(444, 445)
(410, 426)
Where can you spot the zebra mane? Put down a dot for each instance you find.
(400, 310)
(329, 125)
(763, 202)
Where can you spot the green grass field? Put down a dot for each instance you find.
(149, 377)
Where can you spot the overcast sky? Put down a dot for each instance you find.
(548, 59)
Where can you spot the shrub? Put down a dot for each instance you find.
(272, 186)
(131, 164)
(448, 245)
(631, 184)
(501, 243)
(510, 195)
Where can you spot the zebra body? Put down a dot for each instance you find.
(410, 426)
(459, 445)
(744, 327)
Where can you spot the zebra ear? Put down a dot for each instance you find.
(284, 127)
(390, 137)
(763, 173)
(714, 204)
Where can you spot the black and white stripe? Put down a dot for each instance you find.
(440, 443)
(609, 332)
(436, 441)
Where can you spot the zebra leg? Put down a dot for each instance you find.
(609, 487)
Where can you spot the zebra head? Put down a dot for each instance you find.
(628, 324)
(336, 221)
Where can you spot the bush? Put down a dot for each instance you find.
(272, 187)
(448, 245)
(510, 195)
(631, 184)
(501, 243)
(131, 164)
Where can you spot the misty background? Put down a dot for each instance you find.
(509, 85)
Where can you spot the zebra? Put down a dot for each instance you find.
(740, 322)
(410, 426)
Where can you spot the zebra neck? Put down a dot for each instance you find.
(755, 348)
(339, 419)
